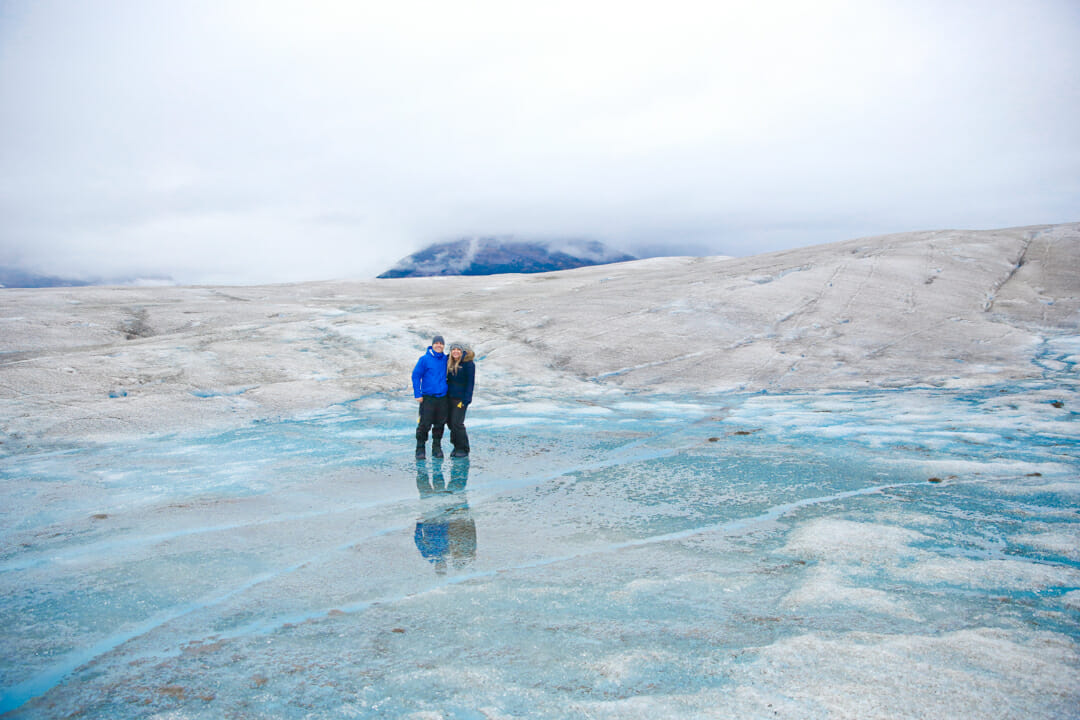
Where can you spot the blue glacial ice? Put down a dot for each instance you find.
(892, 554)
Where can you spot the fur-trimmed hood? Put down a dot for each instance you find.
(467, 354)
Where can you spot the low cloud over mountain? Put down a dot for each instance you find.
(496, 255)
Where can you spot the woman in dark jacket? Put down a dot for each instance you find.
(460, 376)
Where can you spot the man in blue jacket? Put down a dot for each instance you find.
(429, 389)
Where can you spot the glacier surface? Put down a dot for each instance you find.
(836, 482)
(893, 553)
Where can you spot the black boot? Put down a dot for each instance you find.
(459, 453)
(420, 455)
(436, 448)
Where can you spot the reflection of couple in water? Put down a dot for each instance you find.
(445, 534)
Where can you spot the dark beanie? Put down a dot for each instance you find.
(438, 339)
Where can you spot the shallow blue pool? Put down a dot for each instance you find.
(884, 554)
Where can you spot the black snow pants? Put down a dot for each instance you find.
(456, 421)
(432, 418)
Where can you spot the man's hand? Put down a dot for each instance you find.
(419, 399)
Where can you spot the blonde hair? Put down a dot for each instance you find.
(452, 364)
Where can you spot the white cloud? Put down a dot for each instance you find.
(366, 130)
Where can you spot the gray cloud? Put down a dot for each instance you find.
(244, 142)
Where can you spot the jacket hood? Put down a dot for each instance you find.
(467, 354)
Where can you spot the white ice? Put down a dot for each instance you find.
(840, 481)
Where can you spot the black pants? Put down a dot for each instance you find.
(432, 417)
(456, 421)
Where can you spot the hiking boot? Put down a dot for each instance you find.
(459, 453)
(436, 450)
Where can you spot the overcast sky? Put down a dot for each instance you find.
(235, 142)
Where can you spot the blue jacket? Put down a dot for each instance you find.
(429, 375)
(460, 384)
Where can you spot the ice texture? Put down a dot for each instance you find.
(220, 517)
(653, 561)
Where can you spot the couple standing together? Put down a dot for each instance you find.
(443, 385)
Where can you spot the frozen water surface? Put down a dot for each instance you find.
(881, 554)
